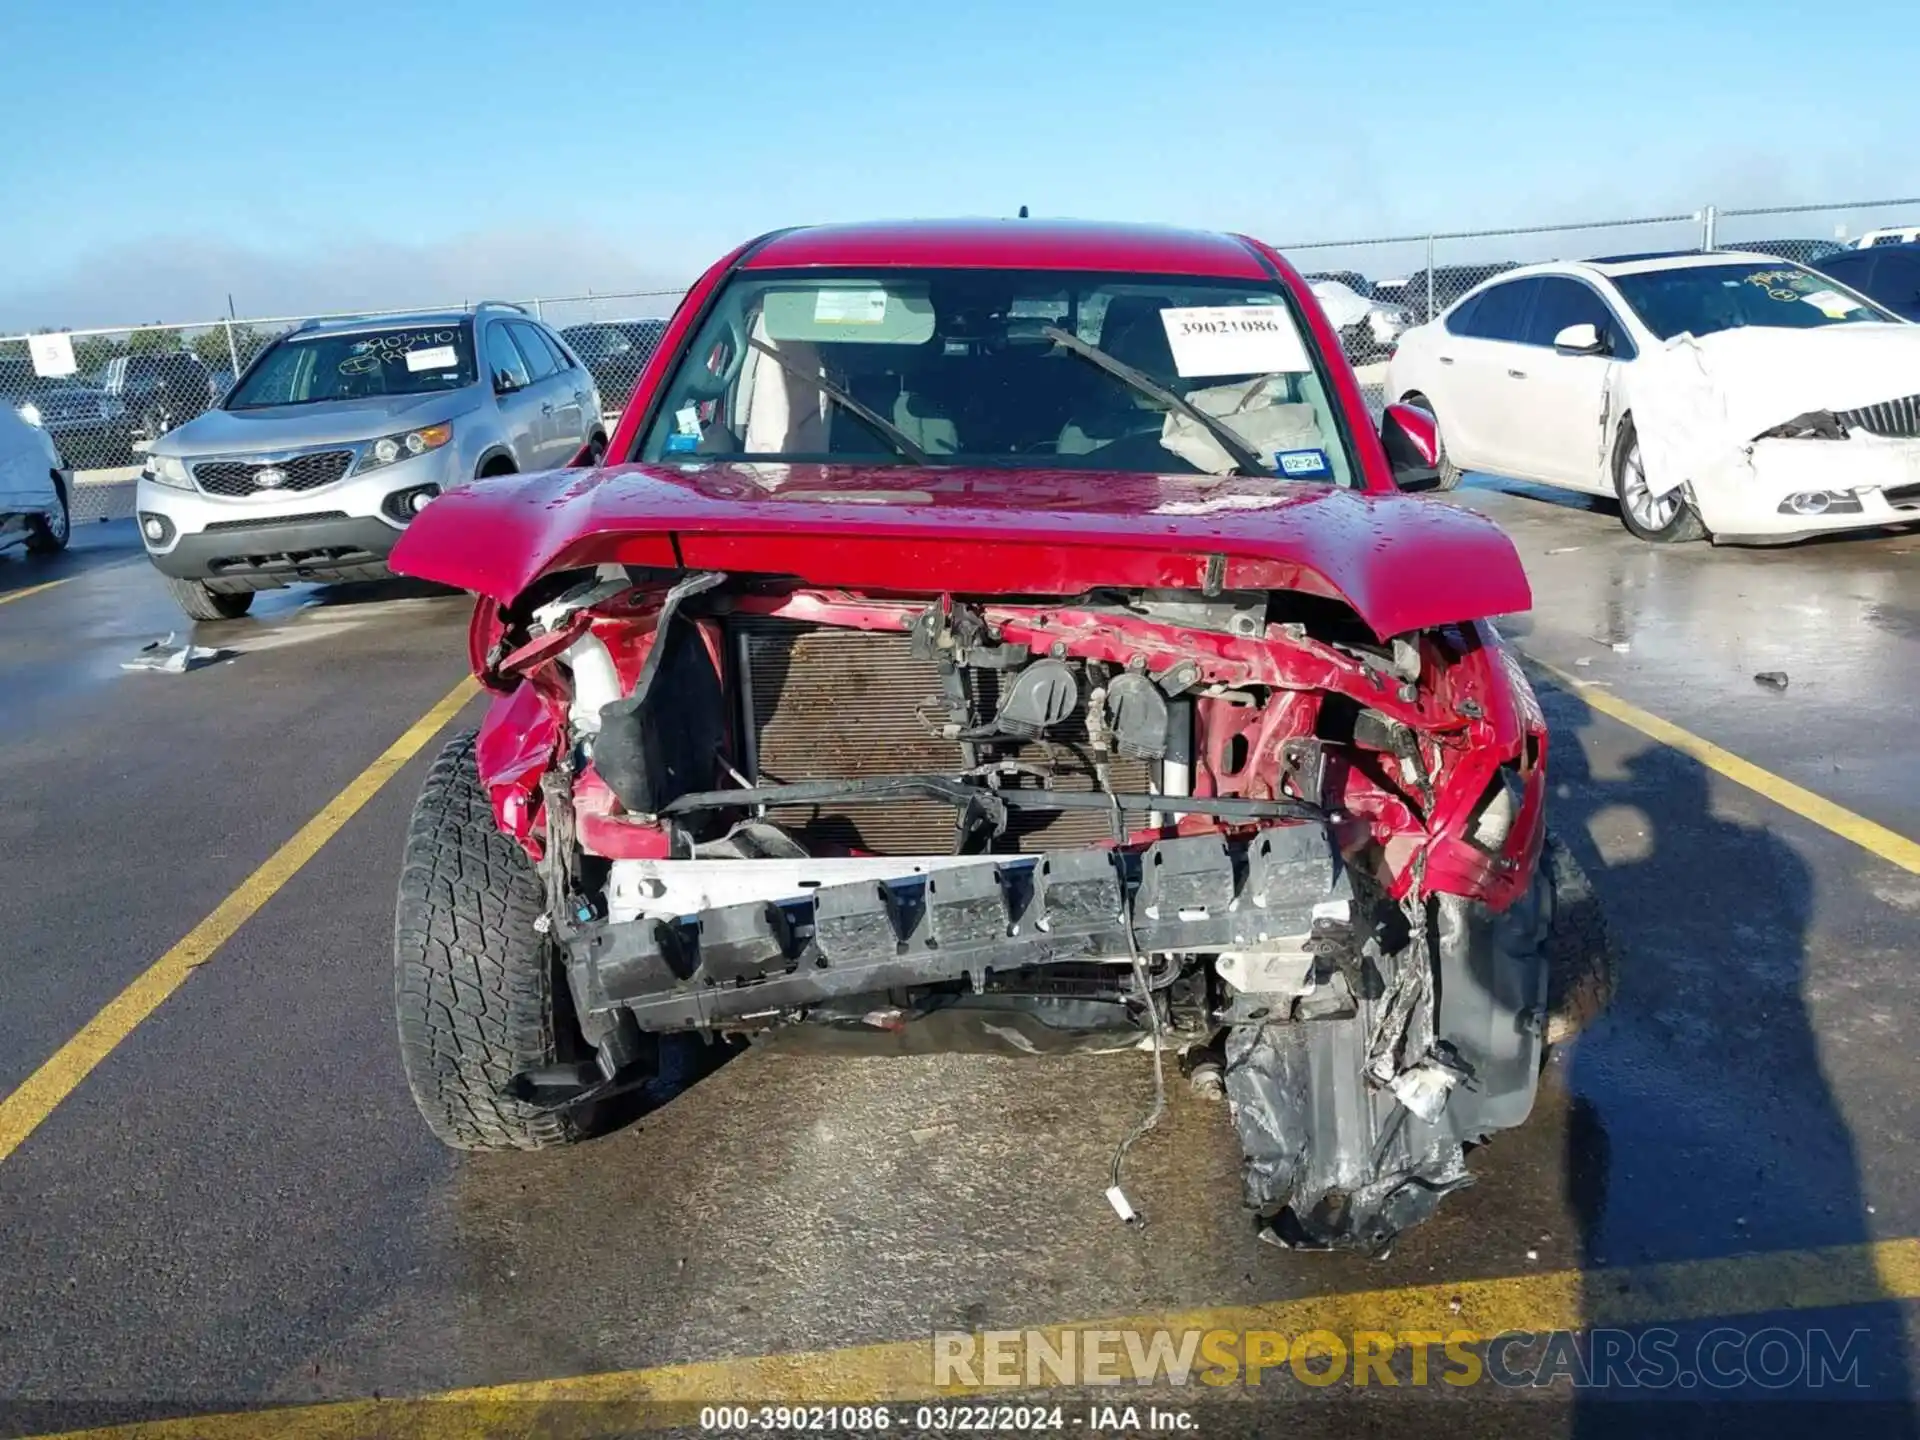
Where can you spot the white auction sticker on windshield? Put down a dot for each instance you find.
(437, 357)
(1830, 303)
(1233, 340)
(849, 307)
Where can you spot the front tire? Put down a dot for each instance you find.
(202, 603)
(1659, 519)
(477, 995)
(49, 534)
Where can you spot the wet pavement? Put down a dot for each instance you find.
(240, 1204)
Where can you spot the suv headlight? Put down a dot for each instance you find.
(28, 412)
(167, 470)
(392, 449)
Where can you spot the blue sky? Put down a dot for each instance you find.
(313, 155)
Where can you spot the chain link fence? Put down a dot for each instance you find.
(104, 396)
(107, 394)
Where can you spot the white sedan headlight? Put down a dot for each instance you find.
(167, 470)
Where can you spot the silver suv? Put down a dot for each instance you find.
(339, 433)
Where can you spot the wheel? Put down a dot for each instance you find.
(596, 451)
(1663, 519)
(202, 603)
(477, 993)
(48, 534)
(1580, 968)
(1447, 475)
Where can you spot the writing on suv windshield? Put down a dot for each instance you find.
(406, 360)
(1704, 299)
(1004, 369)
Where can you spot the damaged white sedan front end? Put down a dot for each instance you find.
(1774, 435)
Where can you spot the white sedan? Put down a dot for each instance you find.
(1740, 397)
(1367, 327)
(33, 487)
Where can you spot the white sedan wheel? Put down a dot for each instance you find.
(1652, 512)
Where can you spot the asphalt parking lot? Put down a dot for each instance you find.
(216, 1194)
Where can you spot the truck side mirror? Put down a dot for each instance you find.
(1411, 438)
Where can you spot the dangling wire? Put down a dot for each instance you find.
(1116, 1194)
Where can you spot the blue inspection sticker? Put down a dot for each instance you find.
(1302, 462)
(681, 444)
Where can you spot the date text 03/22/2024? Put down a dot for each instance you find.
(943, 1419)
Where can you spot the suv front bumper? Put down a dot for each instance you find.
(337, 533)
(333, 549)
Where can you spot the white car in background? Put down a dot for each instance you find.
(1367, 327)
(1892, 235)
(1740, 397)
(33, 488)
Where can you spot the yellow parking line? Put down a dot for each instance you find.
(23, 1110)
(1889, 845)
(1470, 1310)
(12, 595)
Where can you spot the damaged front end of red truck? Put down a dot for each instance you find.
(1000, 639)
(775, 769)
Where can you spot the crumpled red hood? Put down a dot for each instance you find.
(1402, 562)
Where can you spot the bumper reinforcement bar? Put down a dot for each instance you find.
(1005, 912)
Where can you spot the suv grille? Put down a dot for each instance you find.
(301, 472)
(1896, 418)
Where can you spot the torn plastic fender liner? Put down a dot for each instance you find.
(1333, 1155)
(1000, 913)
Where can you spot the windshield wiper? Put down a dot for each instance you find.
(895, 436)
(1245, 461)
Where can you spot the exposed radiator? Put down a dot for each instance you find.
(837, 704)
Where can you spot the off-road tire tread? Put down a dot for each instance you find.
(473, 983)
(200, 603)
(1580, 958)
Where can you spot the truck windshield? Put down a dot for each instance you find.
(352, 365)
(979, 368)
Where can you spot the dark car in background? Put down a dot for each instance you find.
(1450, 282)
(158, 392)
(615, 352)
(1804, 252)
(88, 427)
(1889, 274)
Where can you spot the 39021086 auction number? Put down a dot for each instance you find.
(795, 1419)
(866, 1419)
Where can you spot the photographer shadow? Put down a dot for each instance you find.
(1700, 1121)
